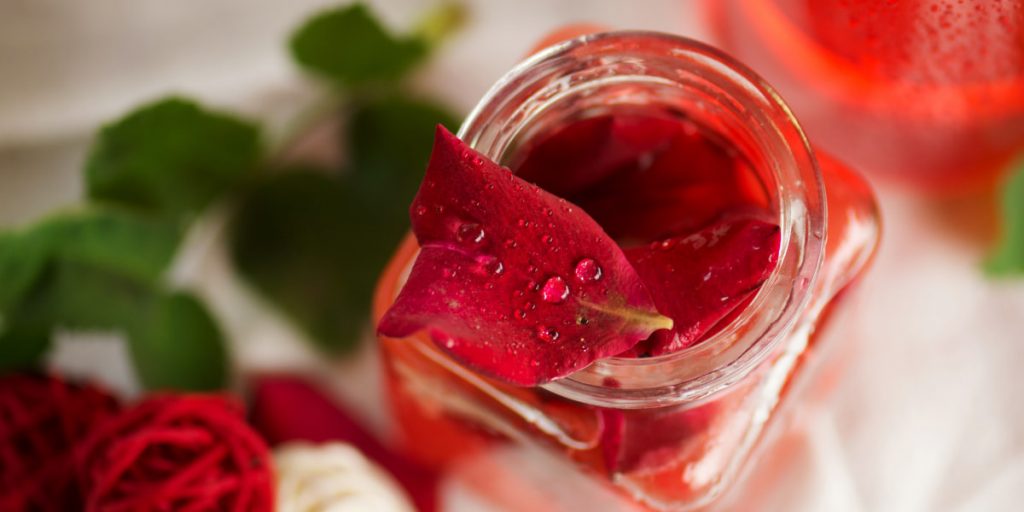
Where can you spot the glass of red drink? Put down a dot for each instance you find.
(930, 92)
(669, 431)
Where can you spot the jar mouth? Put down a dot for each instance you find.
(571, 72)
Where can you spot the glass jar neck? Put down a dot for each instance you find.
(603, 73)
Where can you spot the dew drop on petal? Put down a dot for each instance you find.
(494, 267)
(588, 271)
(547, 333)
(555, 290)
(470, 232)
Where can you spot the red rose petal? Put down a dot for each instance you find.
(291, 409)
(586, 152)
(679, 189)
(512, 280)
(699, 279)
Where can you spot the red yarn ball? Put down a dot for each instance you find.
(188, 452)
(41, 420)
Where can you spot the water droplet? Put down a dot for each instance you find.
(547, 334)
(470, 232)
(663, 245)
(495, 267)
(588, 271)
(489, 265)
(555, 290)
(421, 210)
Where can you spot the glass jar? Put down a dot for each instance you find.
(668, 432)
(927, 92)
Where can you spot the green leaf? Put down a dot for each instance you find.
(386, 176)
(315, 245)
(87, 270)
(171, 158)
(349, 47)
(22, 258)
(1008, 256)
(179, 346)
(308, 243)
(24, 333)
(69, 295)
(118, 241)
(22, 348)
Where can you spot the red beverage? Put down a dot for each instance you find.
(663, 141)
(930, 92)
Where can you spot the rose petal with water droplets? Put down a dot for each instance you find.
(699, 279)
(504, 324)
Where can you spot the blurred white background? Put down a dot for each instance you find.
(928, 416)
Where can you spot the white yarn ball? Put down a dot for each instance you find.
(333, 477)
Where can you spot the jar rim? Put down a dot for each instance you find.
(748, 339)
